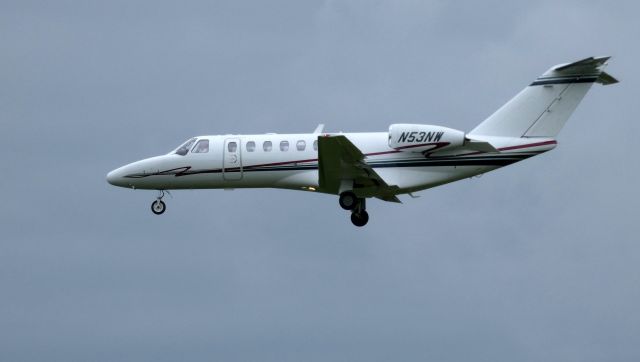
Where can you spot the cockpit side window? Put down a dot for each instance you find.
(201, 147)
(182, 150)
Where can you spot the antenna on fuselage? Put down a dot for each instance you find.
(319, 129)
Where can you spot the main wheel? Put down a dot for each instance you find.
(360, 218)
(348, 200)
(158, 207)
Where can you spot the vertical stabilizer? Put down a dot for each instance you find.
(543, 107)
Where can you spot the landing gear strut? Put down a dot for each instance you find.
(359, 215)
(158, 206)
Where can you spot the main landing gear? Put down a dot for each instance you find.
(349, 201)
(360, 218)
(158, 206)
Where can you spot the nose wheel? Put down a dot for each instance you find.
(158, 206)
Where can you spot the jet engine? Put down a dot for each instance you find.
(423, 138)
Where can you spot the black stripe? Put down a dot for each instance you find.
(422, 163)
(486, 162)
(513, 156)
(496, 160)
(543, 81)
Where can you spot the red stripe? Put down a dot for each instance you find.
(283, 163)
(437, 144)
(528, 145)
(397, 151)
(381, 153)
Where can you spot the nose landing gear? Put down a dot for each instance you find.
(158, 206)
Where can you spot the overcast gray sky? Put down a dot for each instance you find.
(539, 261)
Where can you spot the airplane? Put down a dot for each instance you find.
(358, 166)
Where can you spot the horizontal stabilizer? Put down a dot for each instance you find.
(606, 79)
(581, 65)
(586, 67)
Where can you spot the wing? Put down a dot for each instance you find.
(339, 159)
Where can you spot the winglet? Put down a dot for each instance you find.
(319, 129)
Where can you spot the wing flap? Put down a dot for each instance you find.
(339, 159)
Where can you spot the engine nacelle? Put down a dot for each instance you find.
(423, 137)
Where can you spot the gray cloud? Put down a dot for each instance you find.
(537, 261)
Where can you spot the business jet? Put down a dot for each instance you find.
(359, 166)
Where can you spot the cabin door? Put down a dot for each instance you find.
(232, 159)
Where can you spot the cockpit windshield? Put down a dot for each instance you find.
(182, 150)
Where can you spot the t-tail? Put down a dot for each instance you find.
(543, 107)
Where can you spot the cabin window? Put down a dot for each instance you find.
(315, 145)
(284, 146)
(300, 145)
(267, 146)
(232, 147)
(251, 146)
(201, 147)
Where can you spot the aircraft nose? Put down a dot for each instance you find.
(116, 178)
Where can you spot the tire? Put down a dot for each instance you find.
(158, 207)
(360, 219)
(348, 200)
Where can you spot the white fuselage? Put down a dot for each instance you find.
(358, 166)
(290, 161)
